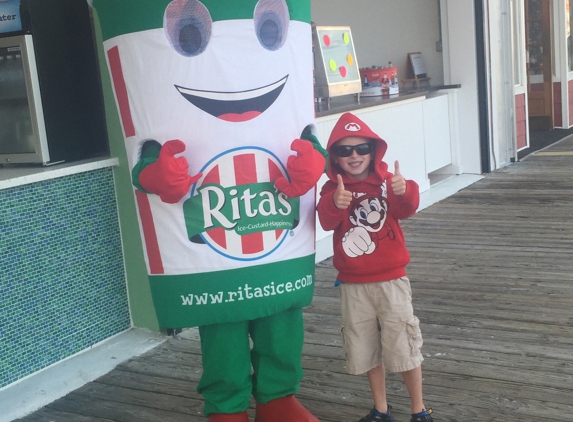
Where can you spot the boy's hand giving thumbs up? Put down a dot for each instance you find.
(342, 198)
(398, 181)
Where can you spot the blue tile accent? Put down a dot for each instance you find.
(62, 279)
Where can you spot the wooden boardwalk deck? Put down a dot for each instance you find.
(492, 275)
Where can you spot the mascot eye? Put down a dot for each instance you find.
(271, 23)
(363, 214)
(187, 26)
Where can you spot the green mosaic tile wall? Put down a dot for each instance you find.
(62, 280)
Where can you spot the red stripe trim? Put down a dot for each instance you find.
(245, 169)
(246, 173)
(212, 177)
(151, 243)
(252, 243)
(218, 236)
(120, 91)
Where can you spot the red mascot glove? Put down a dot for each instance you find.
(304, 169)
(169, 176)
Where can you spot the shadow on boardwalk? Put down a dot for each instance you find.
(492, 276)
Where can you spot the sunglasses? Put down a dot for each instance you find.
(346, 150)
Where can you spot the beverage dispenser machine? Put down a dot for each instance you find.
(51, 101)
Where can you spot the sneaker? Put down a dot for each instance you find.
(376, 416)
(423, 416)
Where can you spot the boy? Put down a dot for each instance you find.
(362, 202)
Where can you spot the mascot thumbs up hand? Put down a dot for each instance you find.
(167, 176)
(305, 168)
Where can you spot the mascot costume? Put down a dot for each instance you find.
(215, 98)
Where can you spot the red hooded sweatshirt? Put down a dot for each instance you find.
(368, 240)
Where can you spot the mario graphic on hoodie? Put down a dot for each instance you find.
(215, 103)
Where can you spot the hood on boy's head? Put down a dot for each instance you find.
(350, 125)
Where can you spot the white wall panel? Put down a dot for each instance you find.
(461, 68)
(437, 137)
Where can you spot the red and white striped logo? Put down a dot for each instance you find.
(242, 166)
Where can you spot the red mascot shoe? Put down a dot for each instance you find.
(228, 417)
(285, 409)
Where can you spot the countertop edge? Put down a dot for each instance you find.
(19, 176)
(346, 103)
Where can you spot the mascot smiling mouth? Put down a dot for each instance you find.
(235, 106)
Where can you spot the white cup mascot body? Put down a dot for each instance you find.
(215, 102)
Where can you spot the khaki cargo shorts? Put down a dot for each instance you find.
(379, 326)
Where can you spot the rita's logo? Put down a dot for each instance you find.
(352, 127)
(236, 210)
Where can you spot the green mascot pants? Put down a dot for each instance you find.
(275, 359)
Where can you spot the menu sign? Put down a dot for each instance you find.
(10, 20)
(338, 56)
(336, 71)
